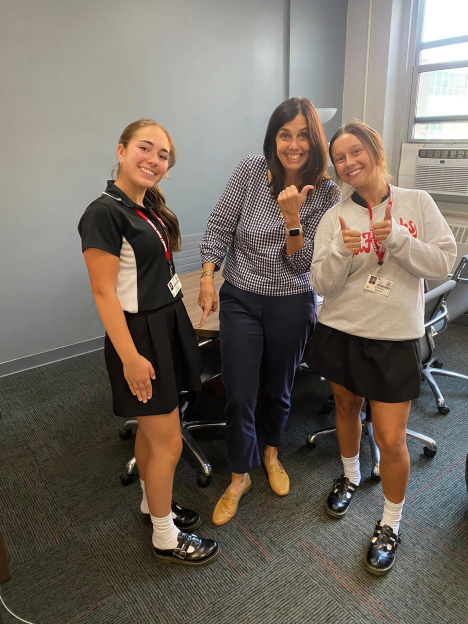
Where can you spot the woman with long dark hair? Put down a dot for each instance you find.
(128, 236)
(265, 222)
(373, 251)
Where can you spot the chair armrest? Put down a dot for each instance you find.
(440, 316)
(460, 268)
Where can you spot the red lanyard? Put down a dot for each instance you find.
(166, 247)
(378, 250)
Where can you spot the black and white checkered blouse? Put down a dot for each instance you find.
(247, 224)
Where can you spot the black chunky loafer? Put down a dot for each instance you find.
(339, 498)
(381, 553)
(185, 519)
(204, 551)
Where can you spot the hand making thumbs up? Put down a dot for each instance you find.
(351, 238)
(290, 202)
(383, 228)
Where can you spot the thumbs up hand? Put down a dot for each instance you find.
(383, 228)
(351, 238)
(290, 202)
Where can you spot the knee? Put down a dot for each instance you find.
(348, 409)
(171, 450)
(392, 445)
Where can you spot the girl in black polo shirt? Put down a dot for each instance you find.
(128, 235)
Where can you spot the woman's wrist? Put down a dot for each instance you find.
(293, 222)
(130, 360)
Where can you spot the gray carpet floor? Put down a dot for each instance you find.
(80, 552)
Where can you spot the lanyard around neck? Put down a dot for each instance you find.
(378, 250)
(163, 242)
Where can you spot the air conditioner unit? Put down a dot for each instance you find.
(440, 169)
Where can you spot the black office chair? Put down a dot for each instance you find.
(211, 358)
(455, 304)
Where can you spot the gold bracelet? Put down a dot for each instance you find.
(207, 273)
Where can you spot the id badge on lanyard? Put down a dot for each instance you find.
(174, 284)
(375, 283)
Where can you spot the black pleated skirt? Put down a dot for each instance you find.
(167, 339)
(382, 370)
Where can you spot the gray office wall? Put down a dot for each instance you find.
(317, 49)
(73, 74)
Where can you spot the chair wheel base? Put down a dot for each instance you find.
(375, 477)
(443, 410)
(127, 479)
(429, 452)
(437, 364)
(310, 445)
(203, 480)
(124, 434)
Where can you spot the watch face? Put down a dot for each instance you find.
(294, 232)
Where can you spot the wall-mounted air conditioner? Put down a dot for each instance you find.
(440, 169)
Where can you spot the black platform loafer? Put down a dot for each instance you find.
(381, 554)
(185, 519)
(339, 498)
(204, 551)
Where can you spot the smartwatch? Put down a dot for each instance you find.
(294, 231)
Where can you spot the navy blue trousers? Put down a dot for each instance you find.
(262, 343)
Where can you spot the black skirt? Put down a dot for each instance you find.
(167, 339)
(382, 370)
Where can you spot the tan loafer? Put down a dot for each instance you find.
(226, 507)
(278, 478)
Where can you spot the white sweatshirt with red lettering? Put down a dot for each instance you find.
(420, 246)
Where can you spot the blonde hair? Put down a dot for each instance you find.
(154, 194)
(371, 139)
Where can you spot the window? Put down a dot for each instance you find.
(440, 79)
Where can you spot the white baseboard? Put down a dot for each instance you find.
(49, 357)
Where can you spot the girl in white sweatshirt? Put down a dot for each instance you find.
(372, 252)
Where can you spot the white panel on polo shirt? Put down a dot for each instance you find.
(126, 289)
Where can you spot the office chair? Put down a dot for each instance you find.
(456, 304)
(211, 358)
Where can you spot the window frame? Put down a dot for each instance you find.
(419, 69)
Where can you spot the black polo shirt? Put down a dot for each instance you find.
(110, 223)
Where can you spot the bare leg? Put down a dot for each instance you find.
(164, 442)
(389, 422)
(347, 420)
(237, 482)
(271, 455)
(141, 453)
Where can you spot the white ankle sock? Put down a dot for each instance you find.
(144, 503)
(392, 515)
(165, 532)
(351, 469)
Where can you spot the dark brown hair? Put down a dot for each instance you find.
(155, 194)
(371, 139)
(315, 169)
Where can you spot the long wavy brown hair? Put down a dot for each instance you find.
(315, 169)
(154, 194)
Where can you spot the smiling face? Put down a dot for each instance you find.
(144, 161)
(353, 162)
(293, 145)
